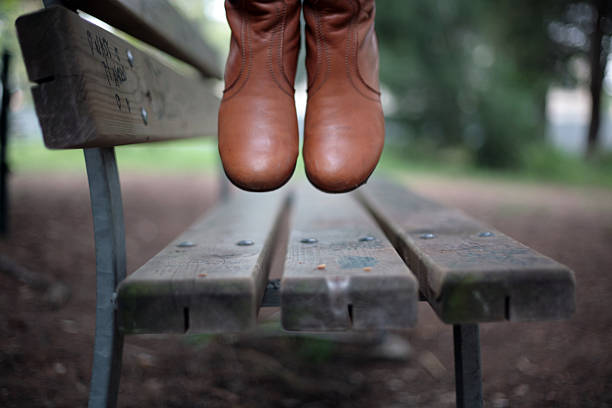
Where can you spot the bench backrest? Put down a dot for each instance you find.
(96, 90)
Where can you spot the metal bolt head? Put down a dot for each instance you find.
(427, 235)
(130, 58)
(186, 244)
(144, 115)
(273, 284)
(245, 242)
(309, 240)
(367, 238)
(486, 234)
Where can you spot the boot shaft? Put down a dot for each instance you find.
(341, 45)
(264, 43)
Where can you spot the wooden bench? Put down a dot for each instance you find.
(357, 261)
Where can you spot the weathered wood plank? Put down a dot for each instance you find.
(350, 278)
(468, 271)
(159, 24)
(96, 90)
(205, 281)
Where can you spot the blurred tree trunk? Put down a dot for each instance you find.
(599, 59)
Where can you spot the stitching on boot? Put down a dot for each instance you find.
(318, 58)
(371, 88)
(322, 49)
(242, 56)
(270, 39)
(281, 60)
(351, 51)
(249, 63)
(270, 59)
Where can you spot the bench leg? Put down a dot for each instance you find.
(109, 235)
(4, 170)
(468, 377)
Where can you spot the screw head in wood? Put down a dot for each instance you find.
(130, 57)
(245, 242)
(309, 240)
(186, 244)
(486, 234)
(273, 284)
(367, 238)
(144, 115)
(427, 235)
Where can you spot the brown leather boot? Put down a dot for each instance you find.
(258, 131)
(344, 129)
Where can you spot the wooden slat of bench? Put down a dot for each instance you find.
(351, 278)
(158, 23)
(215, 285)
(89, 94)
(469, 272)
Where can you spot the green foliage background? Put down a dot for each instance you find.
(475, 73)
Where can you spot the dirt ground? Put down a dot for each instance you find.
(46, 337)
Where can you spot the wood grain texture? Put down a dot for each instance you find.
(468, 271)
(213, 285)
(344, 280)
(90, 94)
(159, 24)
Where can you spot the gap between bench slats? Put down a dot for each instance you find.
(341, 272)
(211, 278)
(96, 90)
(469, 272)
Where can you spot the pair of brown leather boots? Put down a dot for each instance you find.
(344, 124)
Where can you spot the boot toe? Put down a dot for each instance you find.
(341, 152)
(258, 146)
(258, 171)
(338, 173)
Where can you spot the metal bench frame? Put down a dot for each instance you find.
(109, 235)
